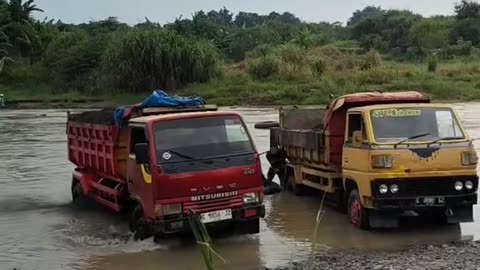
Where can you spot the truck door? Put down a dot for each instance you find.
(355, 149)
(138, 176)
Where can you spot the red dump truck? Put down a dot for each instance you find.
(162, 165)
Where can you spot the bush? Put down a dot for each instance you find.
(71, 59)
(372, 59)
(432, 63)
(319, 65)
(263, 67)
(141, 60)
(372, 42)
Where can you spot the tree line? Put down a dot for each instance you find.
(112, 55)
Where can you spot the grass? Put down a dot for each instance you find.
(204, 241)
(452, 80)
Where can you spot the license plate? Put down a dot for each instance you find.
(216, 216)
(430, 201)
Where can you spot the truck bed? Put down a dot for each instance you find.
(301, 134)
(95, 143)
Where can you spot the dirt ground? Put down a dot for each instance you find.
(454, 255)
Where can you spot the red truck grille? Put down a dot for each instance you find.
(213, 205)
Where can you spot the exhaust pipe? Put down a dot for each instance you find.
(449, 212)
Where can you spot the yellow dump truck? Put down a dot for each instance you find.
(380, 155)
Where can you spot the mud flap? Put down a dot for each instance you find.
(382, 220)
(460, 214)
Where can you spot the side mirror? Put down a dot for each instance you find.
(141, 153)
(357, 138)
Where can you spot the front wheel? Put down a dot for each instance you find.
(250, 226)
(139, 226)
(357, 214)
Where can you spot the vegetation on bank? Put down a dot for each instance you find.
(242, 59)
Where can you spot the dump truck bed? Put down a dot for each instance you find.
(301, 135)
(95, 143)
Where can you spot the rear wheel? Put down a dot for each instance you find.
(139, 226)
(292, 185)
(79, 199)
(357, 214)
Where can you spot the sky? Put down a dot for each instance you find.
(163, 11)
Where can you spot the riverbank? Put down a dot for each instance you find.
(454, 255)
(454, 80)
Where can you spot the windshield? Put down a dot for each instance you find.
(422, 124)
(200, 138)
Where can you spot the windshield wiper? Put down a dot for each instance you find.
(181, 155)
(411, 138)
(445, 139)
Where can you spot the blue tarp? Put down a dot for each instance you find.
(161, 99)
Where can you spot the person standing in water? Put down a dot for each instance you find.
(2, 101)
(277, 159)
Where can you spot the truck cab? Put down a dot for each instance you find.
(200, 163)
(407, 157)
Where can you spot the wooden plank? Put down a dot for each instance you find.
(320, 173)
(210, 107)
(314, 185)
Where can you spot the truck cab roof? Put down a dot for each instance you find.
(397, 105)
(177, 115)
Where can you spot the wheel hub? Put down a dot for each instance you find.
(355, 213)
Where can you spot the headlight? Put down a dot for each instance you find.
(469, 158)
(171, 209)
(458, 186)
(394, 188)
(382, 161)
(250, 198)
(383, 188)
(469, 185)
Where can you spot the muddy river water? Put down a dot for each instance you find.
(40, 230)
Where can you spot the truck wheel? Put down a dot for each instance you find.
(293, 186)
(357, 214)
(138, 224)
(79, 199)
(250, 226)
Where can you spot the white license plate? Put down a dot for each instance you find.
(430, 201)
(216, 216)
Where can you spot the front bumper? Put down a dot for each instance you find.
(181, 223)
(410, 203)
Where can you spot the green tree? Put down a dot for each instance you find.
(367, 12)
(431, 33)
(304, 37)
(467, 9)
(20, 28)
(467, 29)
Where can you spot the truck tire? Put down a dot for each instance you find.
(250, 226)
(79, 200)
(293, 186)
(139, 226)
(357, 214)
(266, 125)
